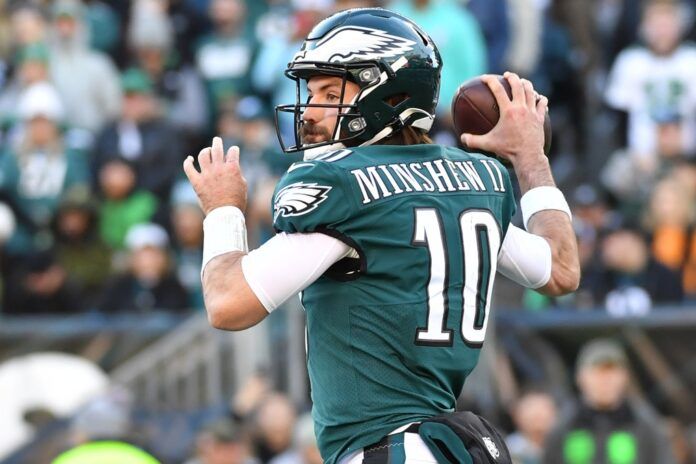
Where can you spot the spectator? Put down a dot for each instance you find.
(591, 206)
(104, 26)
(187, 224)
(628, 280)
(222, 442)
(41, 169)
(142, 138)
(671, 218)
(534, 414)
(458, 37)
(591, 215)
(275, 421)
(604, 426)
(494, 18)
(176, 84)
(92, 95)
(670, 146)
(149, 283)
(40, 285)
(79, 248)
(526, 26)
(105, 417)
(304, 450)
(656, 78)
(631, 179)
(101, 433)
(123, 205)
(190, 20)
(28, 25)
(224, 58)
(32, 68)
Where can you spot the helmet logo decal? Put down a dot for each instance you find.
(299, 198)
(345, 44)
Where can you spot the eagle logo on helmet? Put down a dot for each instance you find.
(299, 198)
(345, 44)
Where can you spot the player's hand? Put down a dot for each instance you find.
(220, 181)
(519, 134)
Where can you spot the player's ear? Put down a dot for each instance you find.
(394, 100)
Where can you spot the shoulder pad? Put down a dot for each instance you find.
(334, 155)
(310, 196)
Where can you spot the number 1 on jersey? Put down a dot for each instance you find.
(428, 232)
(480, 239)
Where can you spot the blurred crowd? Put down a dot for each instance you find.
(101, 101)
(258, 425)
(607, 422)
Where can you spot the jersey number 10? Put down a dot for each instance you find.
(480, 239)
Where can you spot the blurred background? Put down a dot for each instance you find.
(102, 330)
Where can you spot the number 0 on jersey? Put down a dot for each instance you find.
(481, 237)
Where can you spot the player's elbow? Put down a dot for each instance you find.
(234, 310)
(565, 269)
(225, 315)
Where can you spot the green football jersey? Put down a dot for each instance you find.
(394, 329)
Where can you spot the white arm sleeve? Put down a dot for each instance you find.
(525, 258)
(289, 263)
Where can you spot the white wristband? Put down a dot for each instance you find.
(224, 230)
(542, 198)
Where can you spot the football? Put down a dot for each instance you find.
(475, 111)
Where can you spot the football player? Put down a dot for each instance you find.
(393, 241)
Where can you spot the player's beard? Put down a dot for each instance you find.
(314, 132)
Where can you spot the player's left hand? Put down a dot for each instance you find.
(220, 181)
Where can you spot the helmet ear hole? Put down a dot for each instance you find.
(396, 99)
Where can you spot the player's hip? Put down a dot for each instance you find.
(460, 436)
(403, 446)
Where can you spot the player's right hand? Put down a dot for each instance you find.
(220, 181)
(519, 134)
